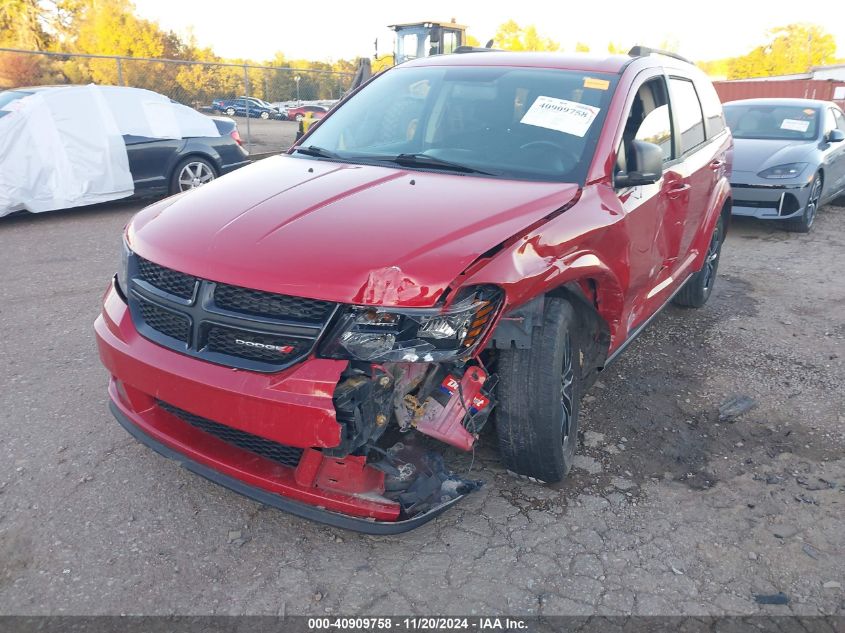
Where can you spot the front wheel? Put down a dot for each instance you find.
(265, 115)
(299, 117)
(191, 173)
(230, 111)
(539, 389)
(696, 291)
(804, 222)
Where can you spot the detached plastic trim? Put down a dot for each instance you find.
(313, 513)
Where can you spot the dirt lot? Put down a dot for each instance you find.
(669, 512)
(261, 136)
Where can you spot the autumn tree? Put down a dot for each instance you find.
(512, 37)
(580, 47)
(794, 48)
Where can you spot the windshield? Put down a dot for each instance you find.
(775, 122)
(525, 123)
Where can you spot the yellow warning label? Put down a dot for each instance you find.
(598, 84)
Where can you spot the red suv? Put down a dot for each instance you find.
(466, 234)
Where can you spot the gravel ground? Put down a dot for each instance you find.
(670, 511)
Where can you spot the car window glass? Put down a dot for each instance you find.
(517, 122)
(648, 120)
(772, 121)
(712, 107)
(688, 108)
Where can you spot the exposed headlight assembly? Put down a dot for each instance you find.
(790, 170)
(371, 333)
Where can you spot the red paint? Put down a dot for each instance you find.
(446, 424)
(364, 235)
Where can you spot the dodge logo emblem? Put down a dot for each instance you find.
(282, 349)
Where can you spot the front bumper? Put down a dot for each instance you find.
(769, 201)
(293, 408)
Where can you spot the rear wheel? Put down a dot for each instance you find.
(191, 173)
(539, 389)
(299, 117)
(696, 291)
(804, 222)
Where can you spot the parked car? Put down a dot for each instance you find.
(162, 147)
(298, 113)
(246, 106)
(789, 158)
(467, 231)
(168, 166)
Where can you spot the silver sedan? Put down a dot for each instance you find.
(789, 158)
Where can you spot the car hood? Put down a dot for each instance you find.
(340, 232)
(755, 155)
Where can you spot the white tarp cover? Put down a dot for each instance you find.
(63, 147)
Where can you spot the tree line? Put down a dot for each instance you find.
(112, 27)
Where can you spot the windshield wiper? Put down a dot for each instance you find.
(313, 150)
(426, 160)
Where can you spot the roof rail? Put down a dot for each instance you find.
(644, 51)
(476, 49)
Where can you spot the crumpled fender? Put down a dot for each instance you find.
(571, 247)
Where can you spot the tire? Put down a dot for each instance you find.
(539, 391)
(230, 111)
(804, 222)
(265, 115)
(299, 117)
(195, 169)
(698, 288)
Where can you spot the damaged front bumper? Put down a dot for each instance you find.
(303, 440)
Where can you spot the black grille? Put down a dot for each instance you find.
(168, 323)
(757, 204)
(171, 281)
(223, 324)
(267, 304)
(287, 455)
(223, 340)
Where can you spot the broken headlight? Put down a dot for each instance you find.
(372, 333)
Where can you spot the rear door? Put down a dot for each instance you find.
(149, 161)
(698, 180)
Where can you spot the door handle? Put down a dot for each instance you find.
(676, 190)
(717, 164)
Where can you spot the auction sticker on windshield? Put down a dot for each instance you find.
(796, 125)
(565, 116)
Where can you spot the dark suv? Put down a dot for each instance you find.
(466, 234)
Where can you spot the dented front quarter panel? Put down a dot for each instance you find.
(587, 241)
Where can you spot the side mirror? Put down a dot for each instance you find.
(836, 136)
(647, 167)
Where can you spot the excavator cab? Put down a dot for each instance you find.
(423, 39)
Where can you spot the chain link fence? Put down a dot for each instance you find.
(213, 88)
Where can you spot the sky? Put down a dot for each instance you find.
(333, 29)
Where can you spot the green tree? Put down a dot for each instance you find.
(512, 37)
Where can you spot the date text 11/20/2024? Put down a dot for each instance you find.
(417, 624)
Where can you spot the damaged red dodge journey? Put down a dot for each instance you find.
(467, 238)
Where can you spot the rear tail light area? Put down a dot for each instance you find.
(236, 137)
